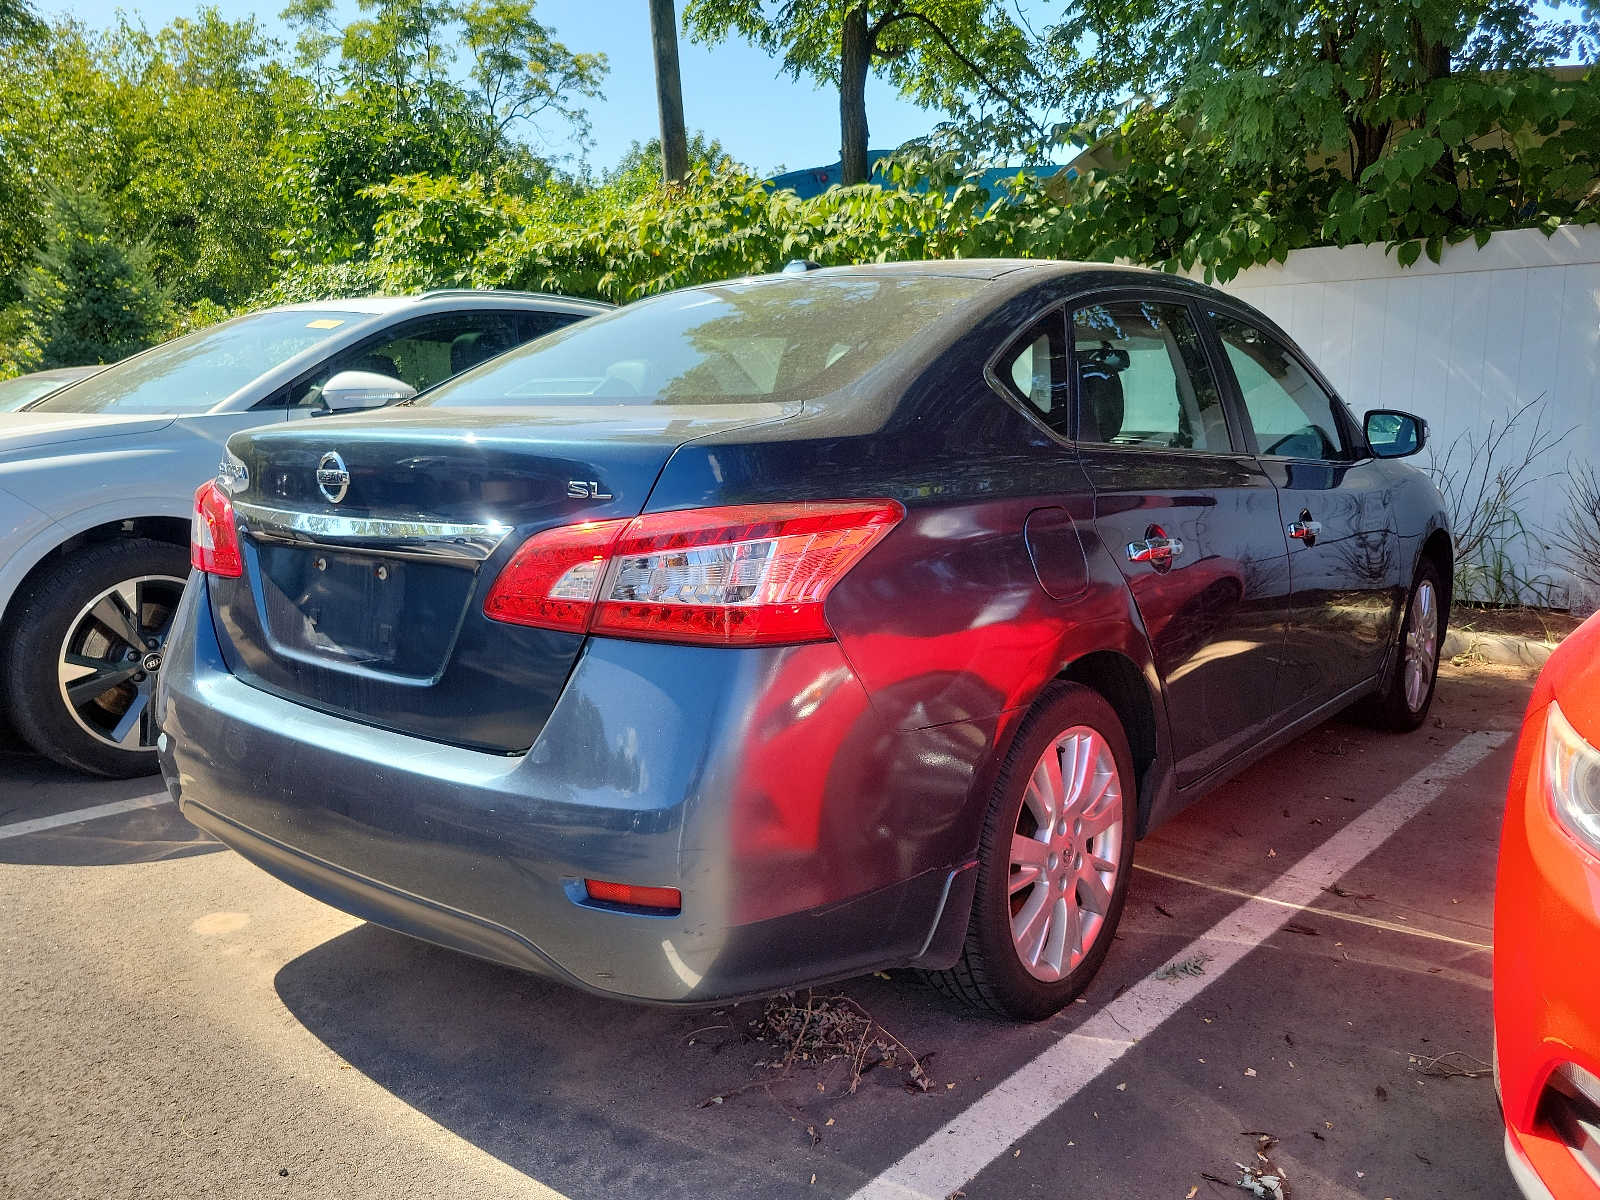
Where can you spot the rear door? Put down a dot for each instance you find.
(1188, 513)
(1334, 506)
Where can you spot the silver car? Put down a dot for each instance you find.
(23, 390)
(97, 484)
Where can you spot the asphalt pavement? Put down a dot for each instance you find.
(1302, 970)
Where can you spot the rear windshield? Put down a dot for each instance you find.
(768, 339)
(193, 373)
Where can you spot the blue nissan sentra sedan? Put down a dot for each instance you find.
(782, 629)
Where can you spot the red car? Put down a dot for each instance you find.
(1547, 933)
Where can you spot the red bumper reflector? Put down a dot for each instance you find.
(665, 898)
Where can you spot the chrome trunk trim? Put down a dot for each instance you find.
(373, 535)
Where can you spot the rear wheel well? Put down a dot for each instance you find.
(1117, 678)
(1440, 551)
(161, 529)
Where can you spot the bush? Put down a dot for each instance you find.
(86, 298)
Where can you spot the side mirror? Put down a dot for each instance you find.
(351, 391)
(1394, 434)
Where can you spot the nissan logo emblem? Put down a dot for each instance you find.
(333, 478)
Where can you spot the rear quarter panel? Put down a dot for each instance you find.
(945, 623)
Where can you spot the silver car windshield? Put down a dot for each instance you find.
(196, 372)
(14, 393)
(767, 339)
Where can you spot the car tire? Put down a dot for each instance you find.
(89, 607)
(1043, 921)
(1402, 703)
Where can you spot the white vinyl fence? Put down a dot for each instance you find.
(1463, 343)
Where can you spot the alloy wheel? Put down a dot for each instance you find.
(1421, 645)
(111, 658)
(1065, 853)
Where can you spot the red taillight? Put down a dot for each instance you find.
(552, 581)
(213, 537)
(665, 898)
(753, 574)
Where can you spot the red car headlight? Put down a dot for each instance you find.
(1572, 778)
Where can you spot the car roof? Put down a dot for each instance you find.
(974, 268)
(1018, 274)
(446, 298)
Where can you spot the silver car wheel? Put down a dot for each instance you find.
(1421, 644)
(1065, 853)
(111, 658)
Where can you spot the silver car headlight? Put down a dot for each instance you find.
(1572, 777)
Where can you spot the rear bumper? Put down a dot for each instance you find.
(758, 783)
(1547, 942)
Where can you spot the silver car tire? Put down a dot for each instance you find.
(1402, 703)
(1054, 860)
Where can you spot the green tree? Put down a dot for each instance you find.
(393, 99)
(1285, 78)
(18, 21)
(88, 299)
(957, 56)
(521, 73)
(639, 171)
(1280, 124)
(179, 132)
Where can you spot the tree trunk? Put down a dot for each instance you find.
(1368, 143)
(1435, 60)
(854, 62)
(669, 90)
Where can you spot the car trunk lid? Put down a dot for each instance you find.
(370, 544)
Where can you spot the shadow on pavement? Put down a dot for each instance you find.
(598, 1098)
(34, 788)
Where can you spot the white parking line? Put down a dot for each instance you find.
(78, 815)
(1317, 910)
(985, 1131)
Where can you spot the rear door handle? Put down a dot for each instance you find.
(1159, 551)
(1305, 529)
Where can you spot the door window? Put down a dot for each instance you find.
(1143, 378)
(423, 352)
(1293, 416)
(1035, 367)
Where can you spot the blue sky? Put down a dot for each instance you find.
(733, 92)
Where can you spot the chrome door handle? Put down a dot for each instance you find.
(1306, 531)
(1157, 550)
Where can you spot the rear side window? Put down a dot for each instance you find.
(1143, 378)
(1035, 367)
(1292, 415)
